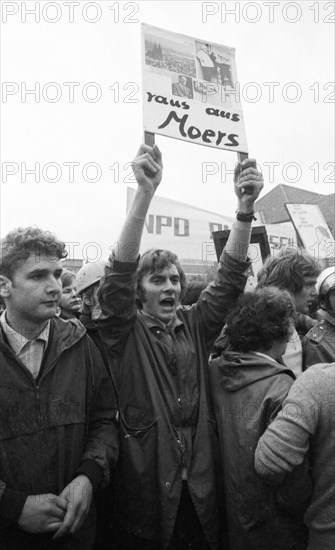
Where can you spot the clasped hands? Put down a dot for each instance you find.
(62, 514)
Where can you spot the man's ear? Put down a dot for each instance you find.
(5, 286)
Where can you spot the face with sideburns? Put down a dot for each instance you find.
(161, 293)
(33, 291)
(305, 297)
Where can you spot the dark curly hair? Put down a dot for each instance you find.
(20, 243)
(260, 319)
(155, 260)
(288, 271)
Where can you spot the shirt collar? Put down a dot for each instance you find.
(18, 341)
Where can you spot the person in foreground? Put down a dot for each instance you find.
(168, 445)
(306, 424)
(248, 386)
(58, 407)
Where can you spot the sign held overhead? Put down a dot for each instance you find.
(189, 90)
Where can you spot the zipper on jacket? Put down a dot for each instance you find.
(51, 366)
(40, 380)
(38, 399)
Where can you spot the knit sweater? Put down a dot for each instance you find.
(307, 420)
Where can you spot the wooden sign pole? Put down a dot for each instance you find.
(149, 138)
(242, 156)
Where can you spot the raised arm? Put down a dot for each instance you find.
(116, 313)
(147, 167)
(248, 182)
(220, 296)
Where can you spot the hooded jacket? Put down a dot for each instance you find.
(247, 391)
(55, 427)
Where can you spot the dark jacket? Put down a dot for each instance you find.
(303, 324)
(247, 391)
(106, 499)
(54, 427)
(165, 414)
(321, 342)
(93, 333)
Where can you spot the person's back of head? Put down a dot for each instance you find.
(261, 319)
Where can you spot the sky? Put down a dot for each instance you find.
(82, 125)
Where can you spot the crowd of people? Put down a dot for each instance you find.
(137, 415)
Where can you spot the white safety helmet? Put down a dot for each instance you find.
(325, 283)
(89, 274)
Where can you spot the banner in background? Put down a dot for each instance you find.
(187, 230)
(181, 228)
(312, 229)
(281, 235)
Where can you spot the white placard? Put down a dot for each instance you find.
(313, 230)
(190, 90)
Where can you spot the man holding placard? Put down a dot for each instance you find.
(168, 442)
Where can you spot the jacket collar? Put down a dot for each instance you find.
(16, 340)
(153, 322)
(235, 370)
(63, 335)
